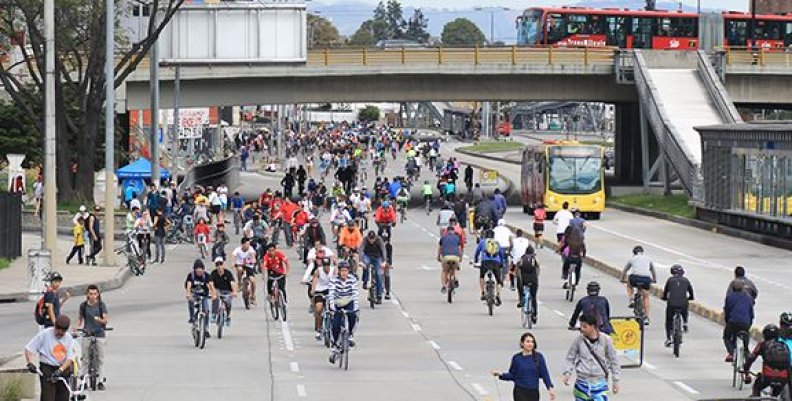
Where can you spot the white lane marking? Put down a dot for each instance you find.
(539, 303)
(301, 391)
(479, 389)
(435, 345)
(295, 368)
(559, 313)
(425, 267)
(685, 387)
(415, 327)
(405, 314)
(454, 365)
(287, 337)
(649, 366)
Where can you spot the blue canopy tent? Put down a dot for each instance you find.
(140, 168)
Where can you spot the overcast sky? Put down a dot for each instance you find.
(521, 4)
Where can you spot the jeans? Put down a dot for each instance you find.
(669, 318)
(96, 247)
(338, 321)
(159, 247)
(204, 304)
(375, 263)
(730, 335)
(76, 250)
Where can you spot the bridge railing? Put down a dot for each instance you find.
(744, 55)
(468, 56)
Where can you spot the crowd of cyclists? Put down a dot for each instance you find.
(362, 206)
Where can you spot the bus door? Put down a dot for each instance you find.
(642, 33)
(616, 31)
(788, 35)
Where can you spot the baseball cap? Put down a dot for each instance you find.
(219, 259)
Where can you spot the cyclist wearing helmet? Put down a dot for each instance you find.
(593, 305)
(639, 273)
(678, 292)
(385, 217)
(775, 363)
(785, 333)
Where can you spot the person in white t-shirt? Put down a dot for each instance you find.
(562, 219)
(503, 235)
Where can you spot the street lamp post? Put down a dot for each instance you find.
(50, 180)
(110, 188)
(752, 34)
(492, 19)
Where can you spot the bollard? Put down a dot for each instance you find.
(39, 264)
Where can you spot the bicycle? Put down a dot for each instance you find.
(327, 327)
(201, 239)
(198, 328)
(342, 342)
(75, 385)
(374, 279)
(277, 301)
(489, 289)
(247, 287)
(451, 282)
(741, 353)
(428, 204)
(676, 332)
(571, 282)
(136, 260)
(638, 306)
(527, 312)
(90, 371)
(222, 313)
(783, 388)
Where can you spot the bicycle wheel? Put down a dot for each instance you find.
(92, 376)
(274, 308)
(282, 302)
(737, 365)
(202, 331)
(342, 341)
(638, 308)
(677, 334)
(196, 340)
(450, 288)
(345, 351)
(220, 322)
(246, 291)
(372, 296)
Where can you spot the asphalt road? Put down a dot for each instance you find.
(416, 347)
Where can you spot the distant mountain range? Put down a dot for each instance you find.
(348, 15)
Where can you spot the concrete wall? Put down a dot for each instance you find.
(772, 89)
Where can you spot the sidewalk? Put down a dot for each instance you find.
(14, 279)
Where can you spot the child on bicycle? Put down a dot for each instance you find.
(775, 363)
(201, 233)
(678, 293)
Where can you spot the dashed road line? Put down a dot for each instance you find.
(295, 368)
(301, 391)
(287, 337)
(405, 314)
(479, 388)
(559, 313)
(454, 365)
(685, 387)
(434, 345)
(649, 366)
(415, 327)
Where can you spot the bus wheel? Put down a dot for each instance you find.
(527, 209)
(595, 216)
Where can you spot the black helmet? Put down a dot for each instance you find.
(638, 249)
(593, 288)
(53, 275)
(785, 320)
(677, 270)
(770, 332)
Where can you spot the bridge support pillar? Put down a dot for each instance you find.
(628, 152)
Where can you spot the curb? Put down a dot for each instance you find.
(118, 281)
(486, 156)
(696, 307)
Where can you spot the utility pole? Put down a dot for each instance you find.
(154, 89)
(110, 187)
(50, 236)
(176, 147)
(492, 27)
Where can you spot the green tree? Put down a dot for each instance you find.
(369, 113)
(322, 32)
(462, 31)
(365, 35)
(395, 19)
(417, 27)
(18, 134)
(79, 71)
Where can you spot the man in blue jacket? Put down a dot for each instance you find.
(492, 258)
(500, 203)
(738, 313)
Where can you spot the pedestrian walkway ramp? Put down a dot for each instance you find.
(679, 91)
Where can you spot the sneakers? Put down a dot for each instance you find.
(212, 318)
(565, 286)
(646, 321)
(483, 297)
(685, 328)
(333, 355)
(365, 285)
(100, 386)
(378, 301)
(318, 336)
(387, 295)
(534, 319)
(520, 304)
(668, 343)
(351, 342)
(729, 358)
(443, 290)
(228, 322)
(497, 300)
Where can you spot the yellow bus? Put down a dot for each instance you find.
(555, 172)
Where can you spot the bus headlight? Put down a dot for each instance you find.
(551, 200)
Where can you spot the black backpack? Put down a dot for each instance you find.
(775, 354)
(529, 268)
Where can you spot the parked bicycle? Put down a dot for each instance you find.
(135, 258)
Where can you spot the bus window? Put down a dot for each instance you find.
(788, 35)
(685, 27)
(768, 30)
(642, 33)
(554, 23)
(528, 28)
(737, 32)
(663, 27)
(575, 170)
(616, 31)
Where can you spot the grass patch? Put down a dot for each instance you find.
(494, 146)
(12, 390)
(4, 263)
(676, 205)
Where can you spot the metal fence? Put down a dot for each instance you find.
(11, 227)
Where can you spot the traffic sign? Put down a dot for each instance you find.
(488, 178)
(628, 340)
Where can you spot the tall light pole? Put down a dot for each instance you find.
(110, 188)
(154, 82)
(50, 236)
(492, 11)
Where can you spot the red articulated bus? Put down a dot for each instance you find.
(635, 29)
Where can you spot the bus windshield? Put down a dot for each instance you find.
(575, 169)
(529, 30)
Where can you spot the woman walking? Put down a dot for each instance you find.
(527, 367)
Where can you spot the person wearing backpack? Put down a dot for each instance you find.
(593, 305)
(527, 269)
(573, 249)
(48, 307)
(492, 258)
(785, 333)
(775, 363)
